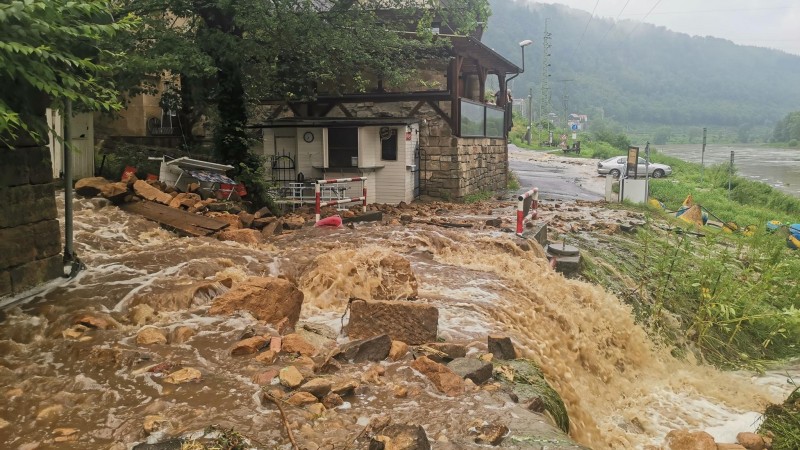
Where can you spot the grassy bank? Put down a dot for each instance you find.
(730, 299)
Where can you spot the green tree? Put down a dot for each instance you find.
(53, 51)
(788, 128)
(694, 133)
(232, 55)
(662, 135)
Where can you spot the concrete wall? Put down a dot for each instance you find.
(30, 238)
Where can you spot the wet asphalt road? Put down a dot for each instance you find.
(554, 183)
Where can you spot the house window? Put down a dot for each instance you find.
(389, 144)
(342, 147)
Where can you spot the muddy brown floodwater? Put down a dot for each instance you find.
(620, 389)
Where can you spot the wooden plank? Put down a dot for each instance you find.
(178, 220)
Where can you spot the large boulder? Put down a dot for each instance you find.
(90, 187)
(411, 322)
(151, 193)
(187, 200)
(266, 298)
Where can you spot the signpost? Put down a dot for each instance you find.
(730, 175)
(703, 156)
(633, 161)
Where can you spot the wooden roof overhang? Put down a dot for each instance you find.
(469, 56)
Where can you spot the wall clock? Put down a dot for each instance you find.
(308, 136)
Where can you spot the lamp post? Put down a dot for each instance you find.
(509, 111)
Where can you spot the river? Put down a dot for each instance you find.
(621, 389)
(778, 167)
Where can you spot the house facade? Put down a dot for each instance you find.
(443, 136)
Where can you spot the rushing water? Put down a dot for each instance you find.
(621, 390)
(778, 167)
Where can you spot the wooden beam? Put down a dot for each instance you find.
(345, 111)
(295, 110)
(277, 112)
(442, 114)
(323, 112)
(482, 73)
(416, 109)
(376, 97)
(178, 220)
(455, 94)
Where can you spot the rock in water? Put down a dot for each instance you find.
(687, 440)
(90, 187)
(400, 437)
(242, 236)
(445, 380)
(185, 375)
(502, 347)
(474, 369)
(411, 322)
(373, 349)
(266, 298)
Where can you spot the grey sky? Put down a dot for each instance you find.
(761, 23)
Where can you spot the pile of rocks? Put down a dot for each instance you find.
(700, 440)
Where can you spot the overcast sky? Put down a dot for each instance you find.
(762, 23)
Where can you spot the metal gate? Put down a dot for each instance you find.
(283, 168)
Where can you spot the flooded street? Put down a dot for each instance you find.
(778, 167)
(621, 390)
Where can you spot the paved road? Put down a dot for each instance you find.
(556, 181)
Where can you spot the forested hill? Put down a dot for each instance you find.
(641, 73)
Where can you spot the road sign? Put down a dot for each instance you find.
(574, 127)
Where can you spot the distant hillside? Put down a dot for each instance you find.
(642, 73)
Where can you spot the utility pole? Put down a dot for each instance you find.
(703, 157)
(544, 101)
(565, 98)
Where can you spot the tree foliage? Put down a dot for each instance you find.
(232, 55)
(55, 50)
(788, 128)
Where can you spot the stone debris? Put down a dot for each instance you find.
(151, 336)
(373, 349)
(398, 350)
(294, 343)
(688, 440)
(249, 346)
(751, 441)
(267, 298)
(185, 375)
(444, 379)
(153, 423)
(501, 347)
(319, 387)
(490, 434)
(400, 437)
(290, 377)
(473, 369)
(181, 334)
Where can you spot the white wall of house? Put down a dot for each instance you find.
(388, 181)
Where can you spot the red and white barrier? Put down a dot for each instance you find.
(533, 211)
(318, 203)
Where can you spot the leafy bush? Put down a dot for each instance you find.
(793, 143)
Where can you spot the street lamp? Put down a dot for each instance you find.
(522, 46)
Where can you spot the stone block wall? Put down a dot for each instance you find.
(30, 237)
(454, 167)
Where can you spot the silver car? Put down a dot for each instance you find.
(616, 165)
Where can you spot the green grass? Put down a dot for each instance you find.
(480, 196)
(749, 202)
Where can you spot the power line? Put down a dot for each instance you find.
(643, 18)
(587, 24)
(615, 21)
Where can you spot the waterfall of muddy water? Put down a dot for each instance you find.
(621, 392)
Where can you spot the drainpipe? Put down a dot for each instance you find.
(69, 254)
